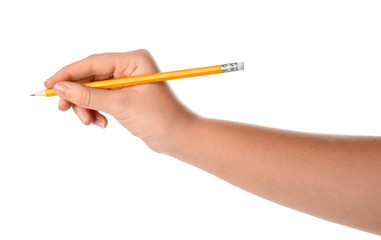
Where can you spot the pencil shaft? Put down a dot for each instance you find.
(156, 77)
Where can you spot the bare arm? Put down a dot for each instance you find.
(337, 178)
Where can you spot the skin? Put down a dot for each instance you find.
(336, 178)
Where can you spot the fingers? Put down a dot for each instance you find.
(99, 120)
(94, 78)
(91, 98)
(85, 115)
(88, 117)
(103, 66)
(95, 65)
(64, 105)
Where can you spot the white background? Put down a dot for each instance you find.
(310, 66)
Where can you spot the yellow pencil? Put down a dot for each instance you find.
(156, 77)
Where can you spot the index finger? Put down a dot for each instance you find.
(98, 64)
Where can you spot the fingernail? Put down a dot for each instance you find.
(61, 89)
(83, 118)
(99, 124)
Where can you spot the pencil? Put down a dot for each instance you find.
(156, 77)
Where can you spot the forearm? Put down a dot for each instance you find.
(333, 177)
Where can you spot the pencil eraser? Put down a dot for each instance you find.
(240, 65)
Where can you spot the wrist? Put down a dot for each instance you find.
(180, 135)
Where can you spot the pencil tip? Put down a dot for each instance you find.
(32, 95)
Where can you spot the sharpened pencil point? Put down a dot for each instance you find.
(40, 93)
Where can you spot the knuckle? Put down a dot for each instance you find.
(93, 56)
(143, 53)
(85, 97)
(66, 72)
(63, 70)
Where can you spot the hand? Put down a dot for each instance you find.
(149, 111)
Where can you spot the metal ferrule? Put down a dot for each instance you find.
(229, 67)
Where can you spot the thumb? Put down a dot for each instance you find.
(87, 97)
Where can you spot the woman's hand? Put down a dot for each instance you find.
(149, 111)
(332, 177)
